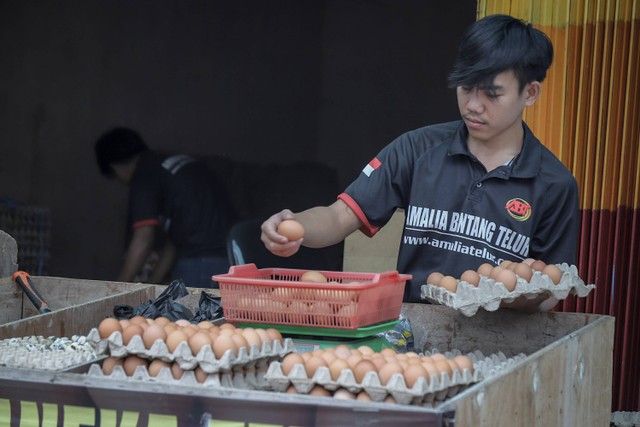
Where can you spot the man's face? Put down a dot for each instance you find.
(494, 111)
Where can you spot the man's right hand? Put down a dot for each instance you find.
(277, 243)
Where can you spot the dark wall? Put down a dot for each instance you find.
(261, 81)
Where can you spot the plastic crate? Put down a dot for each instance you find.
(276, 295)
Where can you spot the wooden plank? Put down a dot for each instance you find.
(75, 319)
(566, 383)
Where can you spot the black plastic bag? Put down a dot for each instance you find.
(209, 308)
(164, 305)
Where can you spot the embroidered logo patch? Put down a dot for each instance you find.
(373, 165)
(519, 209)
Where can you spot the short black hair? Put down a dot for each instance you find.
(118, 145)
(499, 43)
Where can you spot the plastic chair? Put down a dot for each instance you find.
(244, 246)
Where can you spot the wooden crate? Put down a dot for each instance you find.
(565, 379)
(76, 305)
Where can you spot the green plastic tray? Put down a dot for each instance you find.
(366, 331)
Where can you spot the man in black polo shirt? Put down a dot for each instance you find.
(175, 194)
(481, 189)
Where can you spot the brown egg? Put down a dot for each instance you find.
(343, 393)
(538, 265)
(291, 229)
(336, 367)
(313, 276)
(361, 369)
(198, 340)
(507, 278)
(176, 370)
(454, 366)
(111, 362)
(485, 269)
(388, 352)
(108, 326)
(388, 371)
(274, 334)
(438, 356)
(131, 362)
(124, 323)
(162, 321)
(354, 359)
(240, 340)
(342, 351)
(152, 334)
(554, 273)
(524, 271)
(289, 361)
(413, 372)
(175, 338)
(472, 277)
(131, 331)
(291, 390)
(264, 336)
(464, 362)
(205, 324)
(312, 365)
(201, 375)
(222, 344)
(156, 365)
(364, 396)
(528, 261)
(505, 264)
(170, 327)
(443, 366)
(496, 272)
(138, 320)
(229, 326)
(434, 278)
(252, 337)
(389, 399)
(328, 357)
(430, 368)
(318, 390)
(450, 283)
(182, 322)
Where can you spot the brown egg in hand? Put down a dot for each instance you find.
(291, 229)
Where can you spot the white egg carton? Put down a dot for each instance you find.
(253, 357)
(37, 352)
(245, 379)
(437, 389)
(489, 294)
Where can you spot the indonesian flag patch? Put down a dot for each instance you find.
(373, 165)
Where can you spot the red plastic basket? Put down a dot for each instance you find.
(276, 295)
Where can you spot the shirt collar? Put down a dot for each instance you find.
(525, 165)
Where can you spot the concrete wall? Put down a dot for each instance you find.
(268, 81)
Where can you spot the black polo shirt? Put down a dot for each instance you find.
(458, 215)
(180, 195)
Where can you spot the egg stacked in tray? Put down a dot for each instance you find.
(489, 285)
(386, 376)
(161, 350)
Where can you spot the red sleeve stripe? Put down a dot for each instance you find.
(368, 229)
(145, 222)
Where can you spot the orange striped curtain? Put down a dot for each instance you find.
(589, 116)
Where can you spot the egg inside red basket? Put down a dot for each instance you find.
(291, 229)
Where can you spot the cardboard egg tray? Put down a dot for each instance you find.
(489, 294)
(245, 379)
(252, 358)
(37, 352)
(437, 389)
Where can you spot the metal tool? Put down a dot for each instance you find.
(24, 280)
